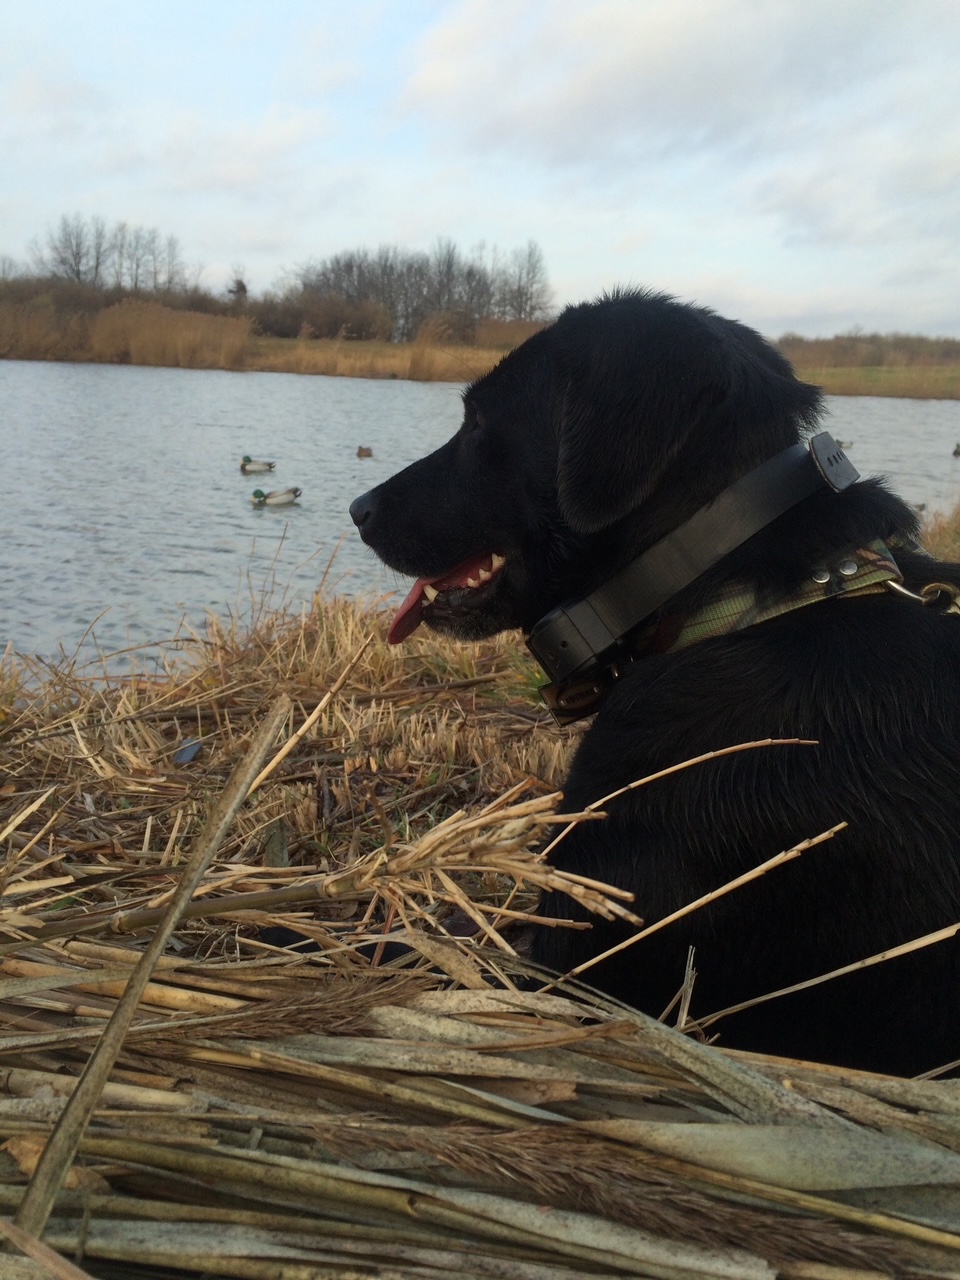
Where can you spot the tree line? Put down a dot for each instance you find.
(398, 290)
(88, 251)
(389, 293)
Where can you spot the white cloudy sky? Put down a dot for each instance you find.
(794, 163)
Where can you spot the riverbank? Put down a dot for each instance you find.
(365, 1105)
(908, 382)
(148, 333)
(428, 362)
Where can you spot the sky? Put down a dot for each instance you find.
(794, 164)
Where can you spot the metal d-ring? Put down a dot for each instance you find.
(928, 594)
(933, 590)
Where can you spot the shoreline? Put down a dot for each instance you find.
(157, 337)
(427, 362)
(147, 331)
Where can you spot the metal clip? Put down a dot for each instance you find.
(933, 590)
(930, 594)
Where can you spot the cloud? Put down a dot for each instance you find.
(779, 159)
(251, 159)
(838, 121)
(627, 76)
(49, 103)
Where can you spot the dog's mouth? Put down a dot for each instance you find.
(449, 595)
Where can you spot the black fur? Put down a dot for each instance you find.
(588, 444)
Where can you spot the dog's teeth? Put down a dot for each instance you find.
(430, 592)
(497, 561)
(486, 575)
(473, 582)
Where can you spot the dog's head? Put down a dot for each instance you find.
(591, 441)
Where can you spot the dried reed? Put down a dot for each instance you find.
(135, 332)
(421, 361)
(912, 382)
(354, 1112)
(941, 535)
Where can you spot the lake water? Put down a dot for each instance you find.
(124, 506)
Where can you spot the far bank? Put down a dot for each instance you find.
(148, 333)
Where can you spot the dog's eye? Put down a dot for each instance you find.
(474, 420)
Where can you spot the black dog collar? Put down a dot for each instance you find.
(578, 645)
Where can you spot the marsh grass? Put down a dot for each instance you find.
(420, 361)
(137, 331)
(146, 333)
(415, 733)
(918, 382)
(35, 330)
(941, 535)
(352, 1114)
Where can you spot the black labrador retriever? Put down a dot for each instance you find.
(629, 489)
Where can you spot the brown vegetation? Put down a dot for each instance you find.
(874, 364)
(337, 1113)
(941, 535)
(147, 333)
(870, 350)
(418, 361)
(917, 382)
(309, 330)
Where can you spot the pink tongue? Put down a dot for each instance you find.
(410, 614)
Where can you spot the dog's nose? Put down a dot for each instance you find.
(362, 508)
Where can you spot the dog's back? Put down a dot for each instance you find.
(875, 684)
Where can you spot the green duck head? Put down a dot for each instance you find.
(259, 495)
(246, 458)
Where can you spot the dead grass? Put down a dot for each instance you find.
(504, 335)
(35, 331)
(941, 535)
(419, 361)
(344, 1114)
(142, 332)
(917, 382)
(413, 736)
(146, 333)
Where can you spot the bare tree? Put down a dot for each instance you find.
(136, 259)
(67, 252)
(174, 271)
(412, 286)
(118, 254)
(524, 293)
(478, 284)
(447, 276)
(99, 255)
(153, 258)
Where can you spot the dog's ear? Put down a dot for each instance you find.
(641, 374)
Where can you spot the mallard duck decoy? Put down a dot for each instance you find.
(364, 451)
(276, 497)
(254, 466)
